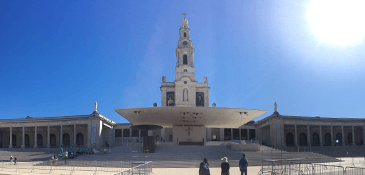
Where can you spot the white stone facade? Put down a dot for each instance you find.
(53, 132)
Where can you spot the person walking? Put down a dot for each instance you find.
(243, 164)
(15, 160)
(204, 167)
(11, 159)
(225, 166)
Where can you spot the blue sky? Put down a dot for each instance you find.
(58, 57)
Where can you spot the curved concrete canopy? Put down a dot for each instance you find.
(211, 117)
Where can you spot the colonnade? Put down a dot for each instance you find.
(321, 136)
(48, 135)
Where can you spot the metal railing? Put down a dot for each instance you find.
(293, 167)
(70, 165)
(140, 169)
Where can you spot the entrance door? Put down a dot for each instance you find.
(289, 139)
(302, 139)
(66, 140)
(338, 139)
(327, 139)
(315, 137)
(53, 141)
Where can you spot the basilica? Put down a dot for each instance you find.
(184, 118)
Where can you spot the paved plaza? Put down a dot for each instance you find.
(166, 160)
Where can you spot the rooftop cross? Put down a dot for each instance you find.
(184, 14)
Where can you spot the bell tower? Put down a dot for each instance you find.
(185, 54)
(185, 90)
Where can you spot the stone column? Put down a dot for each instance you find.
(89, 135)
(61, 136)
(231, 134)
(23, 135)
(353, 136)
(296, 135)
(11, 137)
(309, 136)
(130, 134)
(343, 137)
(332, 143)
(162, 133)
(320, 136)
(35, 137)
(48, 137)
(363, 130)
(74, 135)
(122, 137)
(209, 134)
(248, 134)
(139, 135)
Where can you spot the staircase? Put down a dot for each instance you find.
(191, 156)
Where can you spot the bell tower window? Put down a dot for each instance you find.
(185, 70)
(184, 34)
(185, 59)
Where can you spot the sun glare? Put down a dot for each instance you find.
(339, 22)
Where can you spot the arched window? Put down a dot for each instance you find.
(339, 138)
(39, 140)
(289, 139)
(184, 34)
(185, 70)
(13, 139)
(302, 139)
(315, 138)
(80, 139)
(349, 137)
(327, 139)
(66, 140)
(27, 140)
(185, 59)
(53, 140)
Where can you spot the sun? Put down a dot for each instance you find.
(339, 22)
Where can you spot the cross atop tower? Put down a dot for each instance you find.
(184, 14)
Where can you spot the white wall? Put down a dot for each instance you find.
(198, 133)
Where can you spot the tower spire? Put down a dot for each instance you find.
(184, 53)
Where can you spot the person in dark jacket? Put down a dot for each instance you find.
(225, 166)
(243, 163)
(204, 167)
